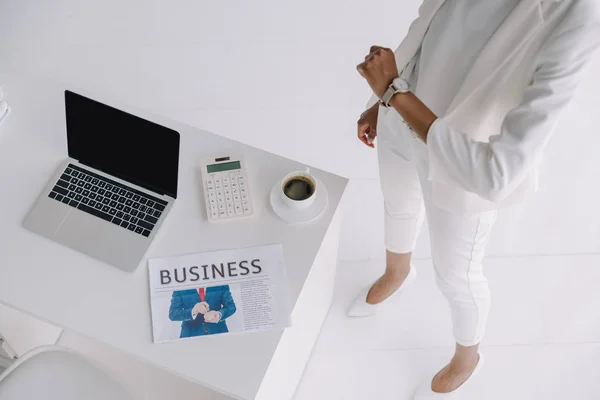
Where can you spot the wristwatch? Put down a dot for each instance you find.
(398, 85)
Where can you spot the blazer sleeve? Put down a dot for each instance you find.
(178, 311)
(493, 170)
(228, 305)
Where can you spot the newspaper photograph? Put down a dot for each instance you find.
(227, 291)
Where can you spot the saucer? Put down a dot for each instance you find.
(308, 214)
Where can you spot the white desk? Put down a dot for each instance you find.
(77, 293)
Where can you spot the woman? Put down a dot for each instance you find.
(463, 111)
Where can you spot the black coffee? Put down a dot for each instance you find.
(299, 188)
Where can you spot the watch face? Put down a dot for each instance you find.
(401, 84)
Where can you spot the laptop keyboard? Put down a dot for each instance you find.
(113, 202)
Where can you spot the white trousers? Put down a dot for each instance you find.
(458, 240)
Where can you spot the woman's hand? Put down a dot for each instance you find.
(379, 69)
(367, 125)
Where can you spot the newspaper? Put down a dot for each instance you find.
(238, 290)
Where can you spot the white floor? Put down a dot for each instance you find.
(542, 346)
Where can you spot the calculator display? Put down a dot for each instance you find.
(223, 167)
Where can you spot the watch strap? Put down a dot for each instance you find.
(392, 90)
(387, 96)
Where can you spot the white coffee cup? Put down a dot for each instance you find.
(299, 189)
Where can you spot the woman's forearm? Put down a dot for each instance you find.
(416, 114)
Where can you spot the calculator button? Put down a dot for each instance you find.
(225, 180)
(222, 213)
(246, 209)
(243, 191)
(214, 214)
(227, 192)
(230, 212)
(244, 197)
(235, 191)
(212, 202)
(237, 197)
(211, 195)
(213, 208)
(242, 185)
(221, 206)
(218, 187)
(226, 186)
(241, 178)
(234, 185)
(228, 199)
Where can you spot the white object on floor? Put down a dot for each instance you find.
(23, 332)
(424, 392)
(360, 307)
(305, 215)
(55, 373)
(7, 355)
(6, 352)
(4, 110)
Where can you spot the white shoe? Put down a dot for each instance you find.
(424, 392)
(360, 307)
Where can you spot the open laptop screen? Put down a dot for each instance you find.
(122, 145)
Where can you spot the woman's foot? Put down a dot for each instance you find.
(454, 374)
(387, 285)
(371, 298)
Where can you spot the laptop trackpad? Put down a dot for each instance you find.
(46, 216)
(102, 240)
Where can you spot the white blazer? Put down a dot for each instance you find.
(486, 150)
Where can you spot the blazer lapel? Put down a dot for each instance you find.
(520, 26)
(414, 38)
(411, 43)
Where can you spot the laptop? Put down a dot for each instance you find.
(111, 196)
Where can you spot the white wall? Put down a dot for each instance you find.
(281, 76)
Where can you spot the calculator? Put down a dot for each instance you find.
(226, 188)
